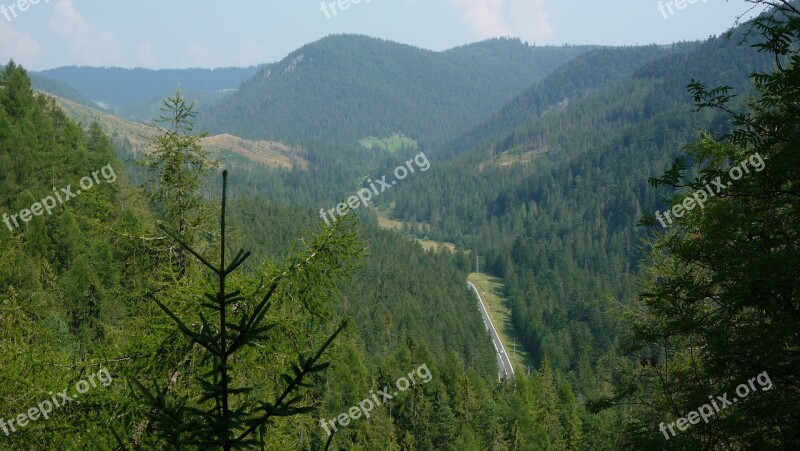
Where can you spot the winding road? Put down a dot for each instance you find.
(505, 370)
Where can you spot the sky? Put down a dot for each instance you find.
(205, 33)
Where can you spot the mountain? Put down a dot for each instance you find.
(79, 278)
(592, 71)
(550, 197)
(347, 87)
(147, 110)
(117, 87)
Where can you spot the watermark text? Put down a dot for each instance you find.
(58, 400)
(364, 195)
(707, 411)
(680, 5)
(368, 404)
(48, 204)
(10, 12)
(700, 197)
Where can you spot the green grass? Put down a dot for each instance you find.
(390, 143)
(390, 224)
(492, 292)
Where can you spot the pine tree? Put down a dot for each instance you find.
(721, 302)
(224, 416)
(179, 168)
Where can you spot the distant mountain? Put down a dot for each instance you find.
(346, 87)
(592, 71)
(117, 87)
(149, 109)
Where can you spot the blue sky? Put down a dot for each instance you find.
(204, 33)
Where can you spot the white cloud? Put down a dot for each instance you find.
(526, 19)
(145, 56)
(21, 46)
(250, 53)
(485, 17)
(87, 44)
(199, 55)
(531, 21)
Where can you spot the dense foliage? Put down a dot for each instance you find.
(552, 204)
(720, 307)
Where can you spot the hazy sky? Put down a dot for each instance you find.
(203, 33)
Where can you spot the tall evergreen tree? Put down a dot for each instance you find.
(179, 168)
(225, 415)
(721, 304)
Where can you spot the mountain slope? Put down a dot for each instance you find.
(78, 278)
(135, 137)
(347, 87)
(60, 89)
(595, 70)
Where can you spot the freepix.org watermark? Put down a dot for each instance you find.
(63, 194)
(364, 195)
(57, 401)
(678, 4)
(329, 8)
(716, 186)
(367, 405)
(706, 411)
(10, 12)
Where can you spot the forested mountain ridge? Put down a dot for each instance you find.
(346, 87)
(60, 89)
(118, 88)
(594, 70)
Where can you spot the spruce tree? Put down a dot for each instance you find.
(225, 416)
(179, 168)
(721, 300)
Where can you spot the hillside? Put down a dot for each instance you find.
(60, 89)
(592, 71)
(555, 198)
(343, 88)
(136, 137)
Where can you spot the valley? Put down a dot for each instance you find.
(503, 183)
(491, 290)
